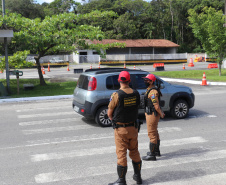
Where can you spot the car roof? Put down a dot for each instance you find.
(97, 71)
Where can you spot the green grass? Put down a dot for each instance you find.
(67, 88)
(211, 74)
(51, 89)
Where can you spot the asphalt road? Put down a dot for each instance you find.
(46, 142)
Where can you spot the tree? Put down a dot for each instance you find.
(50, 36)
(17, 61)
(27, 8)
(61, 6)
(208, 28)
(125, 28)
(148, 30)
(96, 18)
(101, 5)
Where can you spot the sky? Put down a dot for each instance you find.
(49, 1)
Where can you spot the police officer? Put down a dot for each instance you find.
(123, 111)
(153, 113)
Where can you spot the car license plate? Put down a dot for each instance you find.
(76, 109)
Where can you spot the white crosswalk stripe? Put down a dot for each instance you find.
(106, 169)
(46, 115)
(45, 122)
(41, 108)
(110, 149)
(56, 129)
(91, 137)
(56, 150)
(213, 179)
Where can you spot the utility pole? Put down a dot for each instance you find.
(6, 50)
(225, 13)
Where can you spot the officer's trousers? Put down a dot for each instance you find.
(152, 127)
(126, 139)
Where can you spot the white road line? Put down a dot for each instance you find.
(43, 108)
(92, 137)
(53, 121)
(63, 140)
(110, 149)
(56, 129)
(203, 115)
(46, 115)
(213, 179)
(211, 116)
(110, 169)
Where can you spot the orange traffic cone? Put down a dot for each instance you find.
(48, 67)
(124, 65)
(99, 66)
(191, 63)
(183, 66)
(68, 68)
(134, 67)
(90, 66)
(204, 79)
(43, 70)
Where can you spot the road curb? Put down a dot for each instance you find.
(35, 98)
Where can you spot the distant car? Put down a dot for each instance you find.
(56, 60)
(30, 59)
(95, 86)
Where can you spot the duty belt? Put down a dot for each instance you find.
(125, 125)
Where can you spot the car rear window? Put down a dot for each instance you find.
(112, 83)
(83, 82)
(140, 81)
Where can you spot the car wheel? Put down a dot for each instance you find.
(180, 109)
(101, 117)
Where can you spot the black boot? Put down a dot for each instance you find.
(157, 151)
(121, 174)
(137, 170)
(151, 156)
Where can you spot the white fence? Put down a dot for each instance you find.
(146, 57)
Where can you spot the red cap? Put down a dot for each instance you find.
(150, 77)
(124, 76)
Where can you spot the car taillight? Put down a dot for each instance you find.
(92, 84)
(77, 83)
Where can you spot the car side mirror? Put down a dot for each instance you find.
(162, 86)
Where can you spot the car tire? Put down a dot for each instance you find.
(180, 109)
(101, 117)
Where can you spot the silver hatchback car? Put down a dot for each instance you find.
(95, 86)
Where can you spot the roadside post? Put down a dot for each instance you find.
(18, 74)
(5, 37)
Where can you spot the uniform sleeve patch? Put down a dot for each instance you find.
(111, 97)
(153, 96)
(154, 100)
